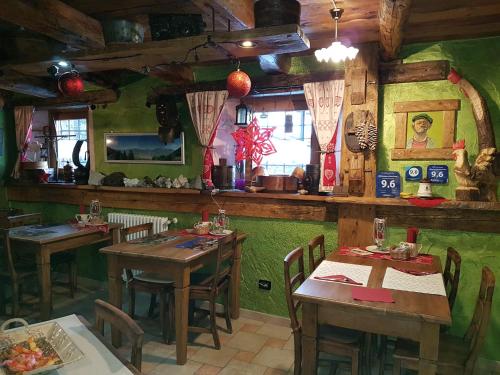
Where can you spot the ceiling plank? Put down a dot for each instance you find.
(175, 74)
(28, 85)
(87, 97)
(238, 12)
(273, 39)
(54, 19)
(393, 16)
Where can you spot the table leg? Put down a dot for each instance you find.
(234, 302)
(181, 315)
(43, 268)
(309, 338)
(429, 349)
(115, 292)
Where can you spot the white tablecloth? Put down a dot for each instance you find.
(97, 360)
(430, 284)
(356, 272)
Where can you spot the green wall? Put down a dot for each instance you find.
(269, 240)
(9, 153)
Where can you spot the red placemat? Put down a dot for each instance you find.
(185, 232)
(371, 294)
(427, 203)
(93, 228)
(421, 258)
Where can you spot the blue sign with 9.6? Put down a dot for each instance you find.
(388, 185)
(437, 174)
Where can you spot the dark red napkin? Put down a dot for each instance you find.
(371, 294)
(427, 203)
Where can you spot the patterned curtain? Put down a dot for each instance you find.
(205, 108)
(22, 117)
(324, 100)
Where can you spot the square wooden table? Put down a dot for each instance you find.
(176, 264)
(414, 316)
(44, 240)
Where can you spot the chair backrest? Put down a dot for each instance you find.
(313, 244)
(478, 327)
(4, 236)
(292, 283)
(226, 249)
(25, 219)
(124, 232)
(451, 276)
(105, 312)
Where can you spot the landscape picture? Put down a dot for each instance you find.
(143, 148)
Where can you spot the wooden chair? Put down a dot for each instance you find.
(149, 282)
(105, 312)
(456, 355)
(452, 277)
(212, 286)
(333, 340)
(20, 268)
(318, 241)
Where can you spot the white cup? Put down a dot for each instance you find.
(82, 218)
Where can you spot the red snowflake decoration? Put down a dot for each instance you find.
(252, 142)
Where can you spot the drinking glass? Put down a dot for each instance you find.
(379, 232)
(95, 208)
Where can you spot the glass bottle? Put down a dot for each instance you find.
(220, 222)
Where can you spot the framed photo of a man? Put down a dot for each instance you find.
(425, 130)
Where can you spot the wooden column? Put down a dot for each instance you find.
(361, 94)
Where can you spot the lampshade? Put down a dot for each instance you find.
(337, 52)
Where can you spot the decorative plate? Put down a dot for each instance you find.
(375, 249)
(225, 232)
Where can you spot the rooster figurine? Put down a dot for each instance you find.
(476, 182)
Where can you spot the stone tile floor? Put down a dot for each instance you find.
(259, 344)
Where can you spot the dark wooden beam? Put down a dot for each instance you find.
(87, 97)
(54, 19)
(414, 72)
(273, 39)
(175, 74)
(238, 12)
(388, 73)
(28, 85)
(393, 15)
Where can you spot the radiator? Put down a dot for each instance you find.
(160, 224)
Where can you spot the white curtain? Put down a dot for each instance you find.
(22, 118)
(205, 108)
(324, 100)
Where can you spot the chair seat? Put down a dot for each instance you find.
(452, 355)
(339, 334)
(151, 277)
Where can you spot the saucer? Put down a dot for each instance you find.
(375, 249)
(225, 232)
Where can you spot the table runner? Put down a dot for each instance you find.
(429, 284)
(356, 272)
(421, 258)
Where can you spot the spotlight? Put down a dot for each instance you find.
(63, 64)
(247, 44)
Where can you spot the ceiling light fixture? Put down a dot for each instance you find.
(247, 44)
(337, 52)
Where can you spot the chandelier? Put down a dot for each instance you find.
(337, 52)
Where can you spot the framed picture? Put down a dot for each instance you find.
(142, 148)
(425, 130)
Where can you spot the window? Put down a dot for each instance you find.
(69, 131)
(294, 148)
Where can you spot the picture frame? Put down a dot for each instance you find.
(143, 148)
(425, 130)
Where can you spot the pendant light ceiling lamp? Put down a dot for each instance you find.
(337, 52)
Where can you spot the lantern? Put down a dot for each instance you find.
(243, 114)
(70, 84)
(238, 84)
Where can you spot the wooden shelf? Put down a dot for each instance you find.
(451, 215)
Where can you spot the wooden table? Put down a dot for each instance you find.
(414, 316)
(176, 264)
(55, 239)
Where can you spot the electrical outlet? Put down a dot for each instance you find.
(265, 284)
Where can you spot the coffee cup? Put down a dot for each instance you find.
(82, 218)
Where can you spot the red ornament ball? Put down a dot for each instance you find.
(71, 84)
(238, 84)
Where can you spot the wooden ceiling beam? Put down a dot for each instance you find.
(56, 20)
(87, 97)
(28, 85)
(238, 12)
(274, 39)
(393, 16)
